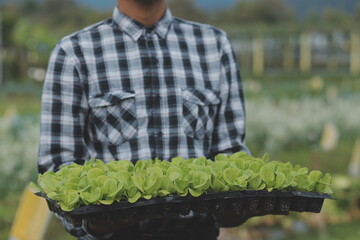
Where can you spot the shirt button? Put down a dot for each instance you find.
(158, 134)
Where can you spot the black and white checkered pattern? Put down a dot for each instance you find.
(118, 90)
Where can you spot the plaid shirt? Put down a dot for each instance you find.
(119, 90)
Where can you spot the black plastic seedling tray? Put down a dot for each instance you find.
(230, 208)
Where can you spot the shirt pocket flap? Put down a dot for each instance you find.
(201, 96)
(110, 98)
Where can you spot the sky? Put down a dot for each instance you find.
(206, 4)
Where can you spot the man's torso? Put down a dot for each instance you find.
(148, 93)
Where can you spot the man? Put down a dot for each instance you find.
(142, 85)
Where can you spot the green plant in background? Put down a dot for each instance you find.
(347, 204)
(272, 125)
(97, 182)
(19, 144)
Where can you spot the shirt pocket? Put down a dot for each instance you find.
(114, 116)
(199, 111)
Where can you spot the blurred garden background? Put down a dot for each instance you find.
(300, 65)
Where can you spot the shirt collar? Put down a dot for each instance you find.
(135, 29)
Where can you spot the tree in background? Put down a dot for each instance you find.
(32, 28)
(357, 13)
(259, 11)
(188, 10)
(29, 7)
(336, 17)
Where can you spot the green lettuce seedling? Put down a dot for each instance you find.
(97, 182)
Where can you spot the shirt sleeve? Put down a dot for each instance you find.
(63, 114)
(229, 130)
(62, 120)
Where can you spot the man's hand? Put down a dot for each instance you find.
(102, 225)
